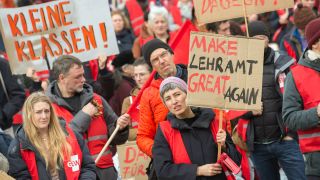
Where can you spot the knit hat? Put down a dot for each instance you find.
(175, 80)
(302, 16)
(258, 28)
(312, 32)
(152, 45)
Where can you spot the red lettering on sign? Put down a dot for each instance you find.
(207, 83)
(130, 155)
(215, 44)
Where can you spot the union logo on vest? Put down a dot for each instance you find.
(74, 163)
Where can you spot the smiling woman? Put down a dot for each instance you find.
(45, 150)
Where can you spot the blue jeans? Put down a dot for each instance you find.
(267, 157)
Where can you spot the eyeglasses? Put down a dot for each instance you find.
(163, 55)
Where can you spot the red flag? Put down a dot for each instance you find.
(180, 43)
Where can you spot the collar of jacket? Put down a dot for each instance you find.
(55, 96)
(203, 118)
(180, 68)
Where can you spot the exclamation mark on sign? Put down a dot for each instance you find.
(104, 34)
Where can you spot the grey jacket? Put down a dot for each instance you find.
(294, 115)
(81, 120)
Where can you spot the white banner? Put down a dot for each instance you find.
(81, 28)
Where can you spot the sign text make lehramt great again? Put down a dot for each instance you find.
(221, 73)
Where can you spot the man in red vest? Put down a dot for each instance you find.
(301, 106)
(86, 112)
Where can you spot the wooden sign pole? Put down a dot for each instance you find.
(107, 144)
(220, 127)
(245, 16)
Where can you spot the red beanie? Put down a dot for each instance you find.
(312, 32)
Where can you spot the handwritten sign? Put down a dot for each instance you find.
(208, 11)
(225, 72)
(79, 28)
(133, 162)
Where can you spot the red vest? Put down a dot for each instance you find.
(136, 16)
(179, 152)
(96, 135)
(307, 81)
(72, 166)
(134, 113)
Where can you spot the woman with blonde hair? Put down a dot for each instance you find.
(44, 149)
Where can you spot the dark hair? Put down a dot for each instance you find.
(63, 64)
(141, 61)
(193, 12)
(235, 29)
(214, 27)
(146, 16)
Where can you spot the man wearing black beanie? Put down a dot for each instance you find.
(159, 56)
(269, 142)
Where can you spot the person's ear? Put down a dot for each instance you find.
(61, 77)
(316, 45)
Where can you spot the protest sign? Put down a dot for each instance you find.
(208, 11)
(80, 28)
(132, 161)
(225, 72)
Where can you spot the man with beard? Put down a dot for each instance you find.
(86, 112)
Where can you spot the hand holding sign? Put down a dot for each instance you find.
(102, 60)
(221, 137)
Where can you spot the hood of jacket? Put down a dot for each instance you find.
(203, 118)
(55, 96)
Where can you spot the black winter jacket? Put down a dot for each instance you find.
(125, 39)
(269, 126)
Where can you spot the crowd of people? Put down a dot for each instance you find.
(54, 127)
